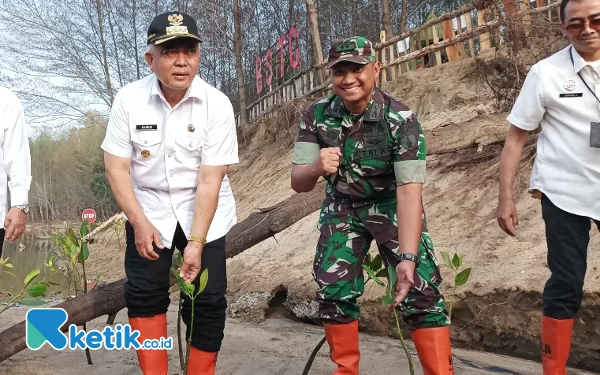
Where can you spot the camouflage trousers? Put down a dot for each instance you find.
(346, 236)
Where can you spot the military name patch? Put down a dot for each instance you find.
(375, 152)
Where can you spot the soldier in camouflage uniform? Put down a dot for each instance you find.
(371, 150)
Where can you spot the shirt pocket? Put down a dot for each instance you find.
(146, 145)
(189, 146)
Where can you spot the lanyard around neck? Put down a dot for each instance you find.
(579, 74)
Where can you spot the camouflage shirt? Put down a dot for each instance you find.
(383, 149)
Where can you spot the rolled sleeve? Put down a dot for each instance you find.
(409, 151)
(221, 145)
(17, 156)
(117, 140)
(529, 108)
(307, 146)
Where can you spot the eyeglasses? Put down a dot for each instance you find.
(577, 28)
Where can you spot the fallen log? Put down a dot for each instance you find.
(110, 298)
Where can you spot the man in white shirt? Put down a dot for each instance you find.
(15, 167)
(561, 95)
(168, 145)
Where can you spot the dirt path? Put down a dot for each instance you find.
(277, 346)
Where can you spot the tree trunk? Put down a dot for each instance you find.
(316, 39)
(135, 41)
(386, 19)
(110, 299)
(237, 42)
(403, 17)
(104, 52)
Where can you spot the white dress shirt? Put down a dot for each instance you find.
(566, 169)
(167, 146)
(15, 168)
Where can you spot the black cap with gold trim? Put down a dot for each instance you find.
(171, 25)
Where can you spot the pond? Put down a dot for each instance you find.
(26, 254)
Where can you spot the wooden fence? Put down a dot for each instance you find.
(450, 37)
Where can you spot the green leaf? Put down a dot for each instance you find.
(33, 302)
(387, 300)
(392, 277)
(377, 263)
(180, 258)
(446, 259)
(367, 261)
(189, 288)
(8, 265)
(372, 275)
(32, 275)
(84, 228)
(71, 240)
(180, 282)
(83, 254)
(456, 261)
(382, 273)
(37, 290)
(462, 277)
(203, 280)
(460, 260)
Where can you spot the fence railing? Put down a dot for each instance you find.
(453, 36)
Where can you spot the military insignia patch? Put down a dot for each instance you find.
(408, 140)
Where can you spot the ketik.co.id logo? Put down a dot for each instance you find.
(44, 326)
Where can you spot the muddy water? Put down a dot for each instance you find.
(26, 254)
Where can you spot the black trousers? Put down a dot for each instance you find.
(567, 238)
(147, 288)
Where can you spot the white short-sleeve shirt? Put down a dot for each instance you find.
(15, 157)
(554, 97)
(167, 146)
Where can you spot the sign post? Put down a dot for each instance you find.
(88, 214)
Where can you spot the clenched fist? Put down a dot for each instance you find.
(328, 161)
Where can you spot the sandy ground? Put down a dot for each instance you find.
(275, 346)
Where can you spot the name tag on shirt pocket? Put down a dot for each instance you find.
(571, 95)
(146, 127)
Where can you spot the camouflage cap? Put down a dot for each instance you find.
(356, 49)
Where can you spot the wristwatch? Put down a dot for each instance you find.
(23, 207)
(411, 257)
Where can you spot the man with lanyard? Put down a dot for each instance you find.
(560, 94)
(168, 145)
(371, 149)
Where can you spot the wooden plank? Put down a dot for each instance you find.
(383, 73)
(510, 7)
(469, 28)
(451, 51)
(484, 39)
(461, 46)
(526, 19)
(539, 3)
(391, 55)
(436, 39)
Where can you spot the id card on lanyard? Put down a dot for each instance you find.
(594, 126)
